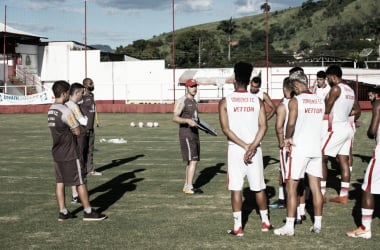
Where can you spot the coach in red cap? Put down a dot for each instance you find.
(186, 115)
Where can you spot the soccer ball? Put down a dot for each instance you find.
(132, 124)
(155, 124)
(141, 124)
(149, 124)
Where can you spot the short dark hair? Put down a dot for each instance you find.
(257, 80)
(86, 81)
(295, 69)
(60, 87)
(374, 90)
(74, 87)
(321, 74)
(243, 71)
(286, 83)
(334, 70)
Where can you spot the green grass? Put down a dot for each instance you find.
(140, 191)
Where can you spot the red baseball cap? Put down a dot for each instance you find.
(190, 83)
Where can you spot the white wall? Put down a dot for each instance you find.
(149, 81)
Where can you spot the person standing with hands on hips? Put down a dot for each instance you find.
(186, 115)
(88, 140)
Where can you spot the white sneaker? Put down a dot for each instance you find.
(95, 173)
(284, 231)
(316, 230)
(360, 232)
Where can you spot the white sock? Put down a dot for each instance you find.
(290, 222)
(281, 195)
(367, 218)
(344, 187)
(302, 208)
(323, 187)
(237, 220)
(88, 210)
(64, 211)
(318, 221)
(298, 213)
(264, 216)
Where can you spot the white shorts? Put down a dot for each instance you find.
(298, 164)
(325, 129)
(371, 181)
(338, 141)
(237, 170)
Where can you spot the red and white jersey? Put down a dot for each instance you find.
(322, 92)
(243, 110)
(342, 107)
(307, 135)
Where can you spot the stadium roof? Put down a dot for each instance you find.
(15, 33)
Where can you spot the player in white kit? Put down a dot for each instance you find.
(371, 183)
(255, 88)
(243, 120)
(322, 88)
(340, 104)
(305, 114)
(281, 121)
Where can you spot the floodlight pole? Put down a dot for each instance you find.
(173, 51)
(4, 43)
(85, 38)
(267, 49)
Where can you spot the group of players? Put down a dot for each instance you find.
(72, 131)
(312, 124)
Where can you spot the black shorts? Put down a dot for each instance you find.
(70, 173)
(190, 148)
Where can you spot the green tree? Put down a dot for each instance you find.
(228, 27)
(264, 7)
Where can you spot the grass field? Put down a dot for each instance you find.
(140, 191)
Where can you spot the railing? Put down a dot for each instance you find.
(29, 79)
(21, 90)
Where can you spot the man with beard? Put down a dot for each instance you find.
(88, 139)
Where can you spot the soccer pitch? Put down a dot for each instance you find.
(141, 192)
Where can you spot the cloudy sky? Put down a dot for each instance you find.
(120, 22)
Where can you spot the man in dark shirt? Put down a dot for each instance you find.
(186, 115)
(88, 140)
(68, 166)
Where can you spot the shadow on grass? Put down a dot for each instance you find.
(333, 172)
(113, 190)
(118, 162)
(363, 158)
(268, 160)
(250, 204)
(207, 174)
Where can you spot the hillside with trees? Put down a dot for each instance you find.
(340, 28)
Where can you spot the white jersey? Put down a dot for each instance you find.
(306, 137)
(342, 107)
(322, 92)
(77, 113)
(243, 110)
